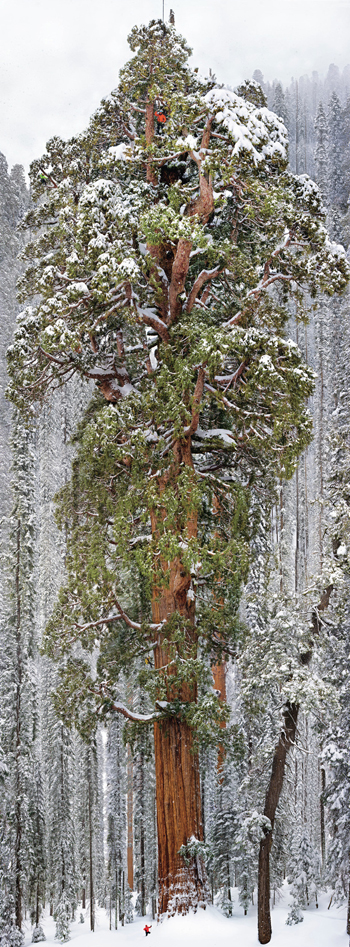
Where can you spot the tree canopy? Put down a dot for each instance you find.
(164, 262)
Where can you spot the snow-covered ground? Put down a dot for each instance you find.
(320, 928)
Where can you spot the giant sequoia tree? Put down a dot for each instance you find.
(166, 244)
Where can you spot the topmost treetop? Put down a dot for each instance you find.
(161, 56)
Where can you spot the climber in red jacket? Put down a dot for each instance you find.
(160, 118)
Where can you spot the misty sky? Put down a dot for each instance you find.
(59, 57)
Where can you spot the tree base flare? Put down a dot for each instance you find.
(182, 886)
(188, 893)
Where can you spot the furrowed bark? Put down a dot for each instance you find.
(219, 677)
(322, 820)
(204, 204)
(178, 277)
(178, 795)
(178, 817)
(151, 176)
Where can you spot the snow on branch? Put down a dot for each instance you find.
(203, 277)
(228, 380)
(100, 621)
(136, 718)
(149, 318)
(262, 286)
(197, 397)
(135, 624)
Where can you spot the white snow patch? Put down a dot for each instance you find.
(210, 928)
(118, 151)
(342, 550)
(188, 142)
(153, 358)
(224, 435)
(256, 130)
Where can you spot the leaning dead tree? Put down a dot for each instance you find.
(274, 789)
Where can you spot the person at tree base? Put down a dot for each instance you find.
(147, 929)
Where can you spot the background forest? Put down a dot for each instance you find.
(78, 817)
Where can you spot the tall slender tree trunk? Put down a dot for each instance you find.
(287, 738)
(219, 676)
(122, 896)
(219, 670)
(130, 806)
(322, 820)
(18, 809)
(142, 835)
(91, 870)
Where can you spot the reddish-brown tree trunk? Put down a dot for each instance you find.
(151, 176)
(219, 676)
(130, 812)
(178, 796)
(181, 886)
(219, 670)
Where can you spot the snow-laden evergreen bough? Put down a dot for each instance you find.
(161, 265)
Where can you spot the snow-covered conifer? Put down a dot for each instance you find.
(321, 152)
(303, 876)
(184, 236)
(116, 815)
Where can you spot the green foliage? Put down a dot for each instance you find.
(162, 267)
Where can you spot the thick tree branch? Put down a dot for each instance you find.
(120, 708)
(227, 380)
(203, 277)
(48, 176)
(267, 279)
(149, 132)
(135, 624)
(204, 204)
(178, 277)
(161, 279)
(137, 718)
(151, 319)
(197, 397)
(101, 621)
(51, 358)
